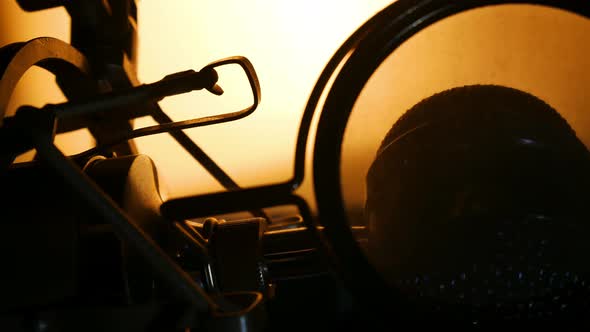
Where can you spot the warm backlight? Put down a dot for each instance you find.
(288, 42)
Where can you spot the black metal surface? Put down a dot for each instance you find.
(35, 5)
(250, 315)
(235, 272)
(105, 32)
(388, 30)
(504, 237)
(33, 122)
(38, 247)
(233, 201)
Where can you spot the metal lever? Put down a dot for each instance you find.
(171, 84)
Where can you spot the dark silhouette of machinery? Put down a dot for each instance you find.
(477, 208)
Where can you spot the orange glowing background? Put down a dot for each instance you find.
(543, 51)
(289, 42)
(36, 87)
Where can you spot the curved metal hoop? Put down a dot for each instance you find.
(367, 49)
(61, 59)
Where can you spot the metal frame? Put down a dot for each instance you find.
(351, 66)
(384, 33)
(79, 78)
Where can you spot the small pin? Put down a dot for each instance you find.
(216, 90)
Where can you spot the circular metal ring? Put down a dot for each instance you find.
(61, 59)
(390, 28)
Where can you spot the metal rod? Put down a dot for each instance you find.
(183, 285)
(200, 156)
(196, 152)
(225, 202)
(113, 101)
(197, 241)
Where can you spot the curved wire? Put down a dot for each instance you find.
(192, 123)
